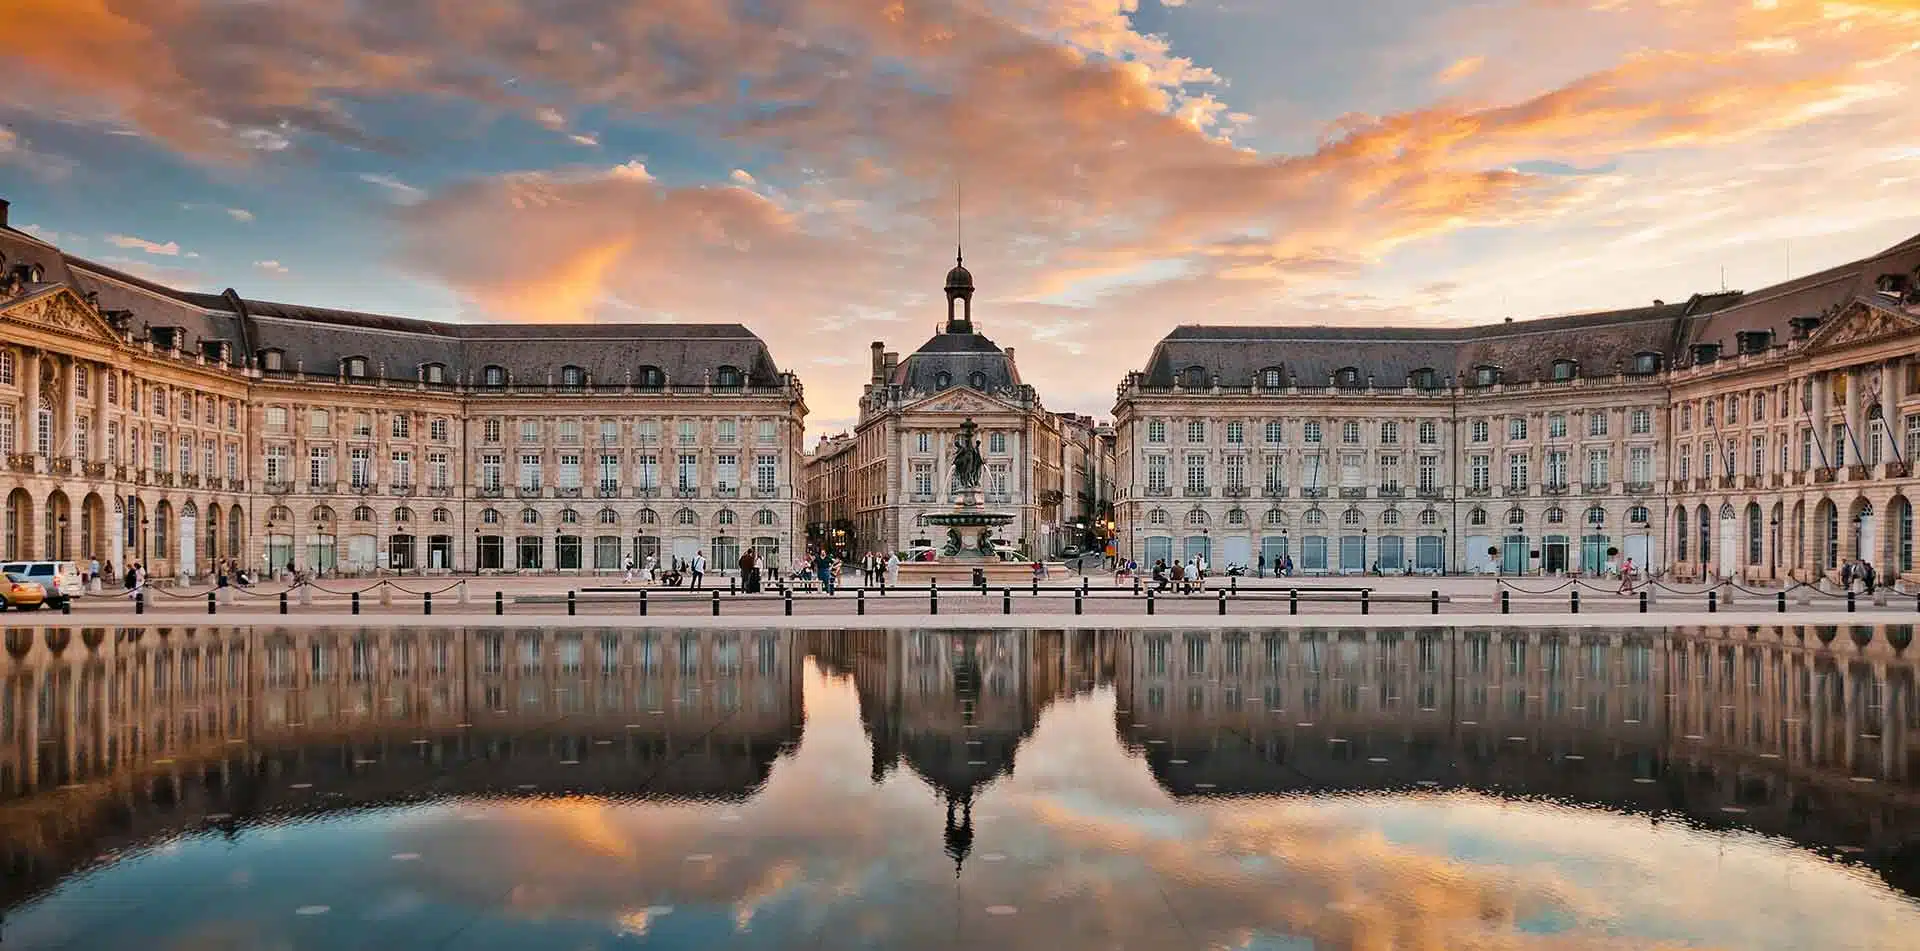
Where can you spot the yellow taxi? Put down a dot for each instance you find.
(19, 593)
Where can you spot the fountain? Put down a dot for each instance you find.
(969, 556)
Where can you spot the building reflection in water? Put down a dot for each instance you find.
(110, 738)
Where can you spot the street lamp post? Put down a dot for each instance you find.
(1773, 550)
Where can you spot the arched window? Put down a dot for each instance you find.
(764, 517)
(1637, 515)
(403, 514)
(647, 517)
(686, 517)
(1564, 370)
(1236, 517)
(1196, 518)
(493, 377)
(1556, 515)
(320, 513)
(1315, 517)
(1516, 516)
(529, 516)
(1596, 516)
(280, 514)
(1390, 517)
(1477, 516)
(1680, 533)
(569, 517)
(726, 376)
(1276, 517)
(1429, 518)
(1350, 518)
(442, 516)
(490, 516)
(354, 367)
(649, 377)
(572, 377)
(609, 517)
(1157, 517)
(1270, 378)
(724, 517)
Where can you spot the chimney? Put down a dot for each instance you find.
(892, 364)
(1009, 354)
(1803, 327)
(879, 365)
(3, 212)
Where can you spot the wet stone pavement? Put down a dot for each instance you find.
(585, 788)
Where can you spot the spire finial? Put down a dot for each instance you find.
(959, 225)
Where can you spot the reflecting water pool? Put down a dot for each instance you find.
(1415, 788)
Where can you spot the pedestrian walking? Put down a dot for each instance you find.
(893, 568)
(628, 566)
(699, 568)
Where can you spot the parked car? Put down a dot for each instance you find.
(1070, 552)
(21, 593)
(60, 579)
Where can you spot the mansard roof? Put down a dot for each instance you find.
(959, 356)
(317, 339)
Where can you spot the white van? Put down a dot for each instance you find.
(60, 578)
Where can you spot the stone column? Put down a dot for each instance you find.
(33, 366)
(1819, 420)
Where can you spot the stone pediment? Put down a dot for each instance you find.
(1864, 321)
(60, 310)
(961, 401)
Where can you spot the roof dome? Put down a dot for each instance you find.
(959, 279)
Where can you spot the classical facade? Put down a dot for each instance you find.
(1551, 446)
(142, 422)
(910, 415)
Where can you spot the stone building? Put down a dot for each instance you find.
(139, 421)
(910, 414)
(1551, 446)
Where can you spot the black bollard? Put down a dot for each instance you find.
(933, 599)
(283, 602)
(1223, 604)
(1780, 602)
(426, 602)
(1233, 584)
(733, 586)
(570, 602)
(643, 601)
(1136, 586)
(1365, 606)
(788, 599)
(1713, 602)
(1505, 605)
(1849, 602)
(66, 607)
(1006, 600)
(1573, 600)
(210, 610)
(1083, 584)
(883, 586)
(1643, 601)
(1293, 600)
(499, 603)
(716, 602)
(356, 602)
(1036, 587)
(1077, 596)
(1436, 601)
(1149, 600)
(140, 603)
(860, 601)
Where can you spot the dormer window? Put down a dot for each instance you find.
(1346, 376)
(1425, 378)
(1194, 377)
(1270, 378)
(572, 377)
(942, 380)
(650, 377)
(494, 377)
(726, 376)
(1486, 376)
(273, 360)
(1646, 362)
(434, 373)
(354, 367)
(1564, 370)
(977, 380)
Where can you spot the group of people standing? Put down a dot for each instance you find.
(677, 570)
(874, 569)
(1190, 575)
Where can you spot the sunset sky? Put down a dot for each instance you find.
(1127, 165)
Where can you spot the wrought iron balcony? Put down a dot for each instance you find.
(279, 487)
(401, 488)
(189, 480)
(1353, 492)
(566, 491)
(1855, 473)
(489, 492)
(1898, 469)
(1431, 495)
(1196, 492)
(1553, 488)
(528, 491)
(440, 491)
(1595, 488)
(1639, 488)
(766, 491)
(1514, 491)
(1159, 492)
(1390, 492)
(1236, 491)
(726, 492)
(1274, 492)
(1314, 493)
(686, 492)
(1478, 491)
(165, 479)
(60, 465)
(608, 490)
(1824, 475)
(94, 470)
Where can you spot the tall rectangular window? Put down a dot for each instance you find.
(1599, 468)
(609, 471)
(1197, 472)
(81, 430)
(1557, 426)
(997, 479)
(1429, 473)
(1157, 473)
(646, 471)
(1759, 456)
(400, 467)
(400, 425)
(530, 471)
(768, 436)
(233, 461)
(1557, 468)
(529, 430)
(726, 468)
(1517, 464)
(1236, 433)
(765, 471)
(492, 465)
(1196, 431)
(1236, 471)
(726, 431)
(1390, 472)
(1275, 432)
(320, 466)
(439, 472)
(923, 478)
(1479, 468)
(569, 470)
(1597, 423)
(277, 464)
(609, 432)
(569, 432)
(1310, 432)
(689, 432)
(359, 466)
(1429, 433)
(1517, 427)
(1839, 435)
(1640, 422)
(688, 474)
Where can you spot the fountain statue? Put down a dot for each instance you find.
(969, 510)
